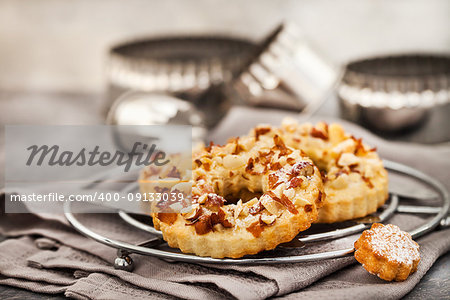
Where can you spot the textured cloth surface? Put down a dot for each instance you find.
(44, 254)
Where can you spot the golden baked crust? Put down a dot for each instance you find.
(355, 181)
(387, 252)
(279, 192)
(172, 178)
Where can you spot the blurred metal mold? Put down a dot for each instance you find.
(182, 66)
(394, 93)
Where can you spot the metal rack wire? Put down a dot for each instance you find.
(149, 247)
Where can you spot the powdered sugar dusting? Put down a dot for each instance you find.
(393, 244)
(286, 175)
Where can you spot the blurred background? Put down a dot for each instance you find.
(51, 45)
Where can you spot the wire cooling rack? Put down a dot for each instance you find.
(152, 246)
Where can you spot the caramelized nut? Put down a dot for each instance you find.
(194, 213)
(272, 206)
(268, 219)
(168, 218)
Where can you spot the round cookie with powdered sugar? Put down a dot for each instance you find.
(387, 252)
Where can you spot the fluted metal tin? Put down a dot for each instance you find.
(184, 66)
(286, 72)
(394, 92)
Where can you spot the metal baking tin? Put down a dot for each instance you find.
(177, 65)
(394, 92)
(287, 71)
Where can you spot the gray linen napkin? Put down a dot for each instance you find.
(40, 261)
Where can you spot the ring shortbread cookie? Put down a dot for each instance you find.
(355, 181)
(249, 195)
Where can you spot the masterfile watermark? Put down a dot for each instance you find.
(97, 168)
(52, 155)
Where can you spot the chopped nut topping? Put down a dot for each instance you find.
(238, 147)
(324, 176)
(204, 187)
(288, 203)
(268, 219)
(245, 177)
(174, 173)
(319, 134)
(290, 160)
(202, 199)
(214, 217)
(232, 162)
(295, 182)
(238, 209)
(176, 206)
(353, 168)
(198, 162)
(290, 193)
(368, 182)
(194, 213)
(279, 145)
(256, 228)
(207, 166)
(217, 185)
(336, 134)
(308, 208)
(274, 181)
(168, 218)
(186, 210)
(223, 219)
(161, 190)
(272, 206)
(341, 172)
(151, 170)
(250, 166)
(261, 131)
(302, 168)
(208, 149)
(347, 159)
(195, 198)
(275, 166)
(360, 150)
(347, 145)
(340, 182)
(256, 208)
(285, 174)
(203, 225)
(284, 201)
(214, 200)
(265, 157)
(319, 197)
